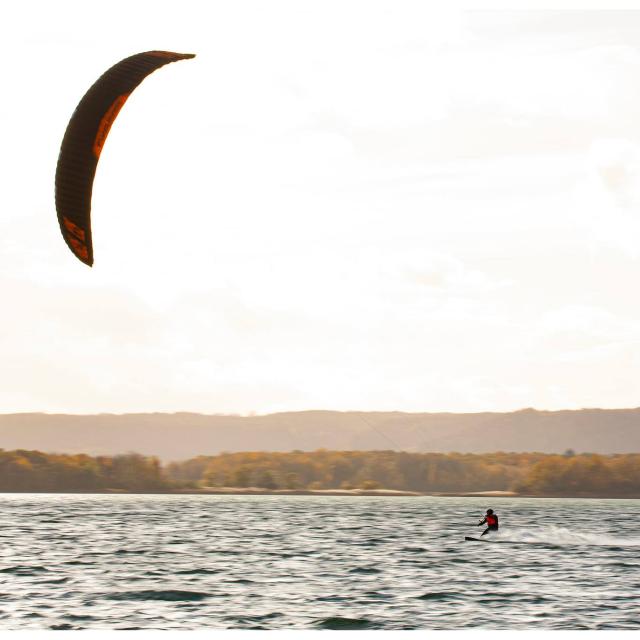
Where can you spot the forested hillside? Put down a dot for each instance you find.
(524, 473)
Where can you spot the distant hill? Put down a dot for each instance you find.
(179, 436)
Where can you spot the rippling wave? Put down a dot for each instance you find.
(316, 562)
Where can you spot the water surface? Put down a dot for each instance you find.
(316, 562)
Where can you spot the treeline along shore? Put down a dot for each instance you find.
(524, 474)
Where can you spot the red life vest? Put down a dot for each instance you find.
(492, 521)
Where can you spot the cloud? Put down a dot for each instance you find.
(441, 274)
(615, 164)
(606, 197)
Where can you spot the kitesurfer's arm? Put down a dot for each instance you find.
(481, 523)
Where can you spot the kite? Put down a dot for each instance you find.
(84, 139)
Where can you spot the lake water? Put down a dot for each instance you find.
(316, 562)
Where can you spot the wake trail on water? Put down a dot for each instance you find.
(560, 536)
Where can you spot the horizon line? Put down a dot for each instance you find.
(254, 414)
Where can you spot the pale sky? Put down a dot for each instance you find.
(335, 205)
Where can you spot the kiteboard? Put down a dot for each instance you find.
(470, 539)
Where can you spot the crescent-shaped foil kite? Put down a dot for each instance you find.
(84, 138)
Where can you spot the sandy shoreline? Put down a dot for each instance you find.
(257, 491)
(387, 492)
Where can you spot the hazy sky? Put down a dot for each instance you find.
(335, 205)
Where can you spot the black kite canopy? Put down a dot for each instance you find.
(84, 138)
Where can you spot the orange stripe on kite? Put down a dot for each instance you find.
(79, 248)
(73, 229)
(106, 122)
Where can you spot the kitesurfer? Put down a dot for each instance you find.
(491, 520)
